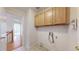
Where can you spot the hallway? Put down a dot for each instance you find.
(15, 44)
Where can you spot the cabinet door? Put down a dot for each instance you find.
(39, 19)
(60, 15)
(48, 16)
(53, 15)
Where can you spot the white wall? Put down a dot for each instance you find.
(60, 43)
(72, 34)
(3, 29)
(30, 36)
(77, 12)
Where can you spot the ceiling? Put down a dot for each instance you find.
(34, 8)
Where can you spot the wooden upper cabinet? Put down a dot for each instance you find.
(53, 16)
(39, 19)
(60, 15)
(67, 15)
(48, 16)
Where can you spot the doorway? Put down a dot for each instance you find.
(16, 41)
(17, 32)
(17, 35)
